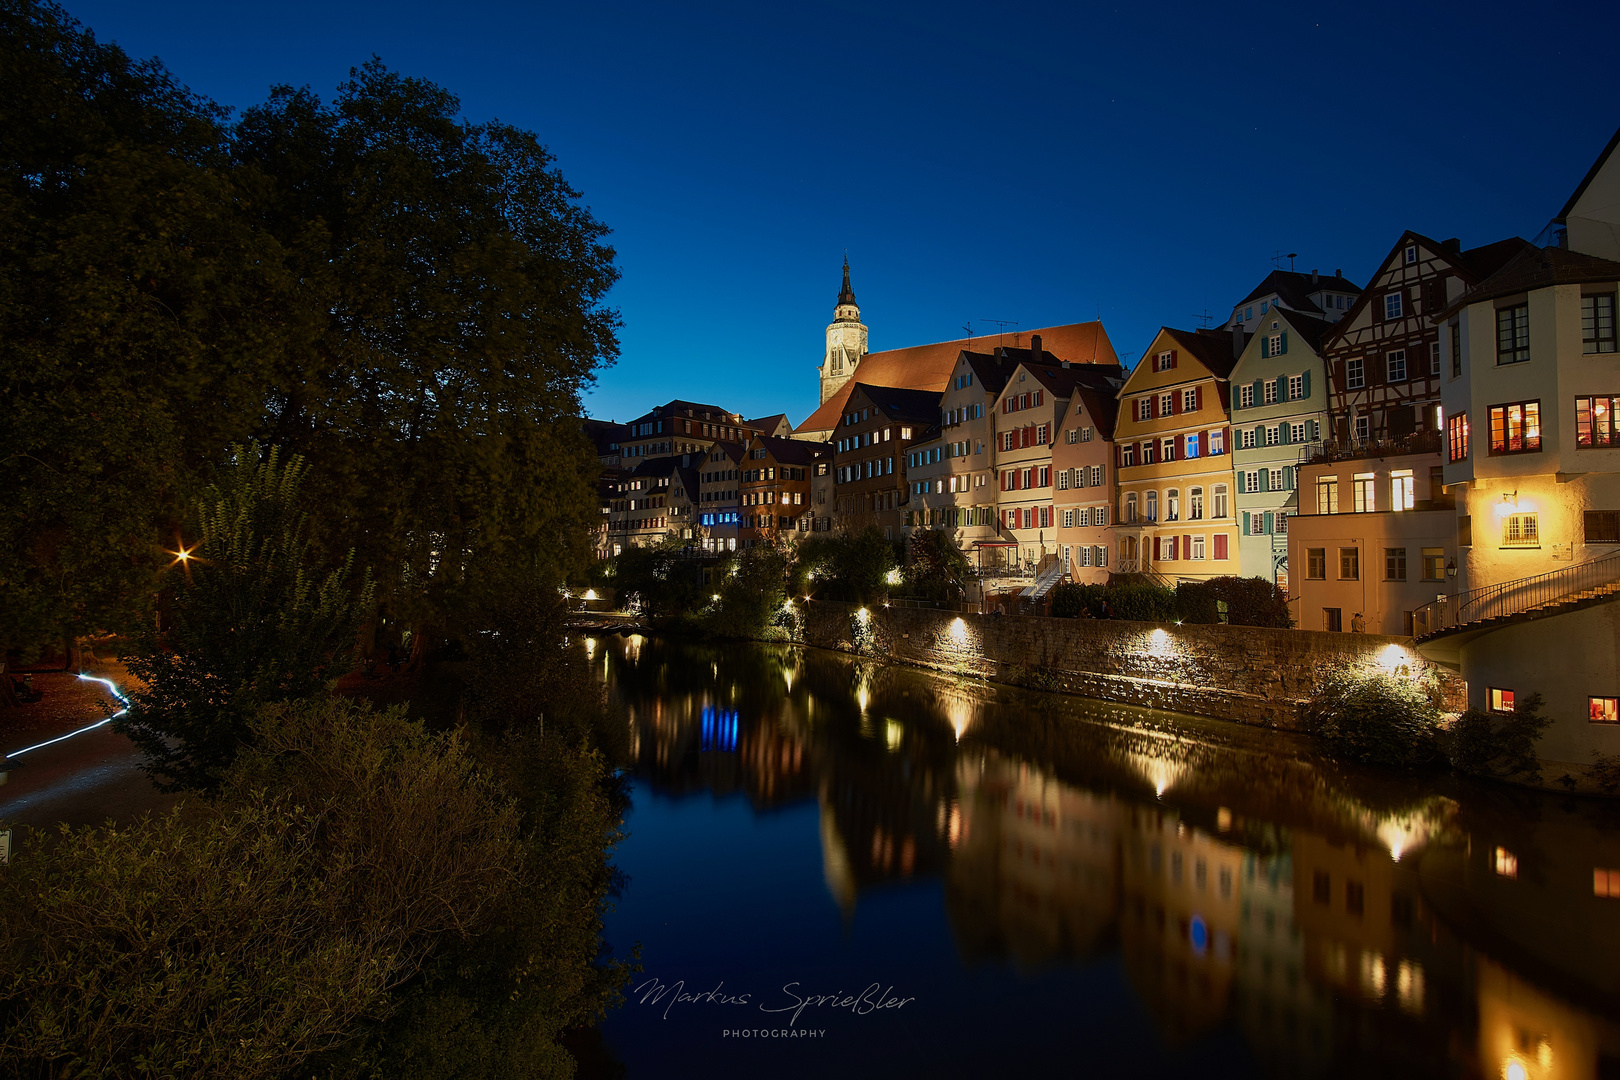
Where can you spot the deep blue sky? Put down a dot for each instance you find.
(1035, 163)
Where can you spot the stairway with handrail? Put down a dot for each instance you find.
(1526, 597)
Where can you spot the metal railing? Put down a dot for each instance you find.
(1515, 597)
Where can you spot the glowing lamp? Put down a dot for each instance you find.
(715, 597)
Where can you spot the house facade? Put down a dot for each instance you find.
(775, 489)
(1279, 393)
(1083, 463)
(874, 436)
(1176, 516)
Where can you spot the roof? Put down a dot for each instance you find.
(1537, 268)
(903, 403)
(770, 423)
(846, 295)
(605, 433)
(1487, 259)
(790, 451)
(1212, 348)
(1061, 380)
(929, 367)
(991, 371)
(1102, 406)
(1310, 329)
(688, 478)
(1294, 288)
(732, 450)
(658, 466)
(1586, 181)
(695, 409)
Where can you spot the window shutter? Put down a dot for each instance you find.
(1220, 546)
(1282, 388)
(1265, 347)
(1283, 353)
(1172, 358)
(1283, 433)
(1259, 394)
(1175, 403)
(1306, 381)
(1268, 521)
(1158, 550)
(1198, 396)
(1288, 478)
(1186, 547)
(1240, 489)
(1245, 513)
(1265, 479)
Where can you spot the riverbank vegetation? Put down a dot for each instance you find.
(1232, 600)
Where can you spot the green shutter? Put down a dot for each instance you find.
(1288, 478)
(1283, 353)
(1240, 490)
(1245, 513)
(1265, 347)
(1268, 520)
(1265, 479)
(1307, 382)
(1283, 432)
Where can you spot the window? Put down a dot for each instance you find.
(1602, 527)
(1195, 505)
(1164, 361)
(1521, 530)
(1397, 365)
(1597, 323)
(1149, 453)
(1169, 448)
(1246, 438)
(1499, 700)
(1434, 564)
(1257, 524)
(1365, 498)
(1349, 564)
(1096, 475)
(1251, 480)
(1513, 334)
(1434, 358)
(1192, 446)
(1085, 434)
(1189, 399)
(1296, 432)
(1275, 480)
(1327, 495)
(905, 433)
(1218, 507)
(1606, 883)
(1355, 898)
(1363, 429)
(1457, 437)
(1127, 455)
(1068, 519)
(1198, 547)
(1333, 622)
(1354, 374)
(1603, 710)
(1144, 408)
(1269, 391)
(1296, 387)
(1594, 422)
(1401, 491)
(1394, 564)
(1167, 404)
(1392, 305)
(1130, 508)
(1172, 505)
(1071, 436)
(1516, 428)
(1274, 435)
(1282, 530)
(1505, 863)
(1456, 348)
(1411, 254)
(1152, 506)
(1246, 397)
(1217, 442)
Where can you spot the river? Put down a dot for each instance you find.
(840, 867)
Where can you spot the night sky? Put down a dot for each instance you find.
(1039, 164)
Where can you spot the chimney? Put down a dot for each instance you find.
(1454, 244)
(1314, 277)
(1338, 273)
(1035, 348)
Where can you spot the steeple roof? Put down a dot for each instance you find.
(846, 295)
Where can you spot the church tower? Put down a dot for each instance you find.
(846, 341)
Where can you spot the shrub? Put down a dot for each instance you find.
(854, 569)
(1375, 717)
(936, 568)
(1500, 745)
(752, 585)
(1238, 601)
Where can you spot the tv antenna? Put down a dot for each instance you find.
(1205, 320)
(1001, 328)
(1277, 257)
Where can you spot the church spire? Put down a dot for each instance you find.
(846, 295)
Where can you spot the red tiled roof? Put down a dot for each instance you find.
(929, 367)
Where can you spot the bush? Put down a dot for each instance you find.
(752, 585)
(263, 928)
(936, 568)
(1139, 600)
(1500, 745)
(1376, 718)
(854, 569)
(1238, 601)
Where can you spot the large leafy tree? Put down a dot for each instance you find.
(460, 285)
(142, 315)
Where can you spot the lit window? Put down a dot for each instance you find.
(1217, 442)
(1595, 422)
(1516, 428)
(1505, 863)
(1606, 883)
(1499, 700)
(1521, 530)
(1327, 495)
(1401, 490)
(1192, 446)
(1457, 437)
(1434, 564)
(1365, 498)
(1603, 710)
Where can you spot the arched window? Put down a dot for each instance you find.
(1172, 505)
(1218, 502)
(1195, 504)
(1153, 506)
(1130, 507)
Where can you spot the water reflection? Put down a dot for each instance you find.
(1337, 922)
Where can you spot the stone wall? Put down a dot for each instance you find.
(1239, 673)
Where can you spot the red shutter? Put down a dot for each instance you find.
(1186, 547)
(1220, 546)
(1004, 402)
(1175, 402)
(1153, 406)
(1198, 397)
(1003, 480)
(1172, 358)
(1158, 550)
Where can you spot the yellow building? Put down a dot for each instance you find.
(1176, 508)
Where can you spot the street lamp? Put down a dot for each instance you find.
(1451, 568)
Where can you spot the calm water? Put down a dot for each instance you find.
(1032, 882)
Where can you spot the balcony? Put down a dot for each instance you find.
(1330, 450)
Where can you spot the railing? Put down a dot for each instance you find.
(1419, 442)
(1515, 597)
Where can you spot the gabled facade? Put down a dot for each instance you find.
(1325, 298)
(776, 500)
(1176, 513)
(952, 473)
(1590, 220)
(1384, 359)
(1279, 395)
(873, 438)
(1083, 463)
(720, 496)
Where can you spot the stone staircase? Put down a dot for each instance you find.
(1520, 600)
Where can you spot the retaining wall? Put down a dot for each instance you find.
(1245, 674)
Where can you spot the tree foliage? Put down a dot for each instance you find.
(255, 622)
(1500, 745)
(935, 567)
(853, 567)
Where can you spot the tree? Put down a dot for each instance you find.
(142, 314)
(255, 623)
(460, 286)
(937, 567)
